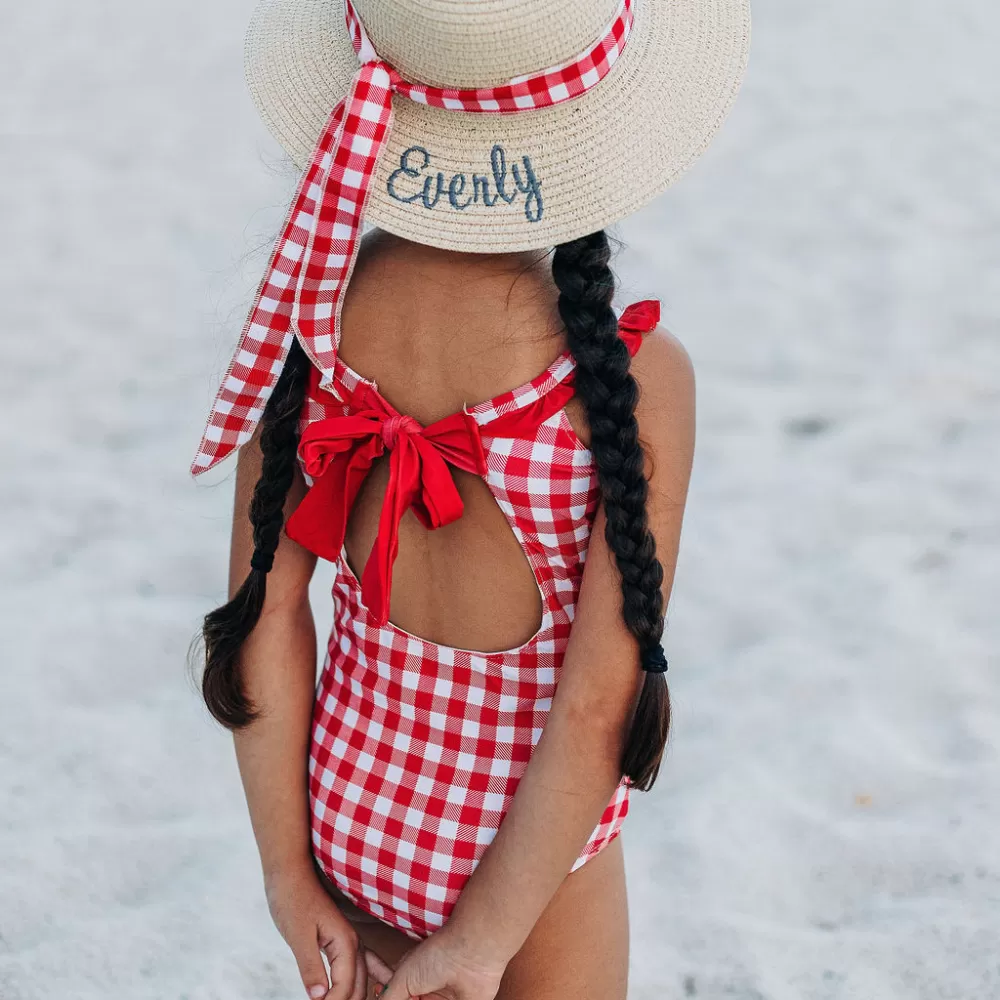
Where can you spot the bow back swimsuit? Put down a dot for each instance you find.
(417, 748)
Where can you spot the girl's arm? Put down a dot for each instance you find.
(279, 669)
(575, 767)
(278, 663)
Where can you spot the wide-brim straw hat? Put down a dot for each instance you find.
(597, 157)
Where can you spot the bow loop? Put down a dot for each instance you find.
(436, 500)
(457, 438)
(319, 448)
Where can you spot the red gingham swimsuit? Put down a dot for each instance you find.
(417, 748)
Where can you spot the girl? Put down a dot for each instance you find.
(451, 412)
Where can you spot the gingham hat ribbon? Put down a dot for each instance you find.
(302, 290)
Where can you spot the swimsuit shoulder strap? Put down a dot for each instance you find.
(520, 412)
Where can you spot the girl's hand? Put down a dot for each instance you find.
(312, 926)
(441, 967)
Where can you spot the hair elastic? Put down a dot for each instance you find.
(264, 561)
(654, 661)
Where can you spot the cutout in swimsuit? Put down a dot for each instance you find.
(417, 748)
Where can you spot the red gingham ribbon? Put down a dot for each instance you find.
(302, 291)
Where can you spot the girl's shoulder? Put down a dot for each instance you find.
(665, 376)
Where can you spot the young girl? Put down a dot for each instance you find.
(496, 463)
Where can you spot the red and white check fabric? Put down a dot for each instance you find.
(303, 287)
(417, 748)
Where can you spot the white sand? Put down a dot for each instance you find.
(827, 823)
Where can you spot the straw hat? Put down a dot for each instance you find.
(596, 158)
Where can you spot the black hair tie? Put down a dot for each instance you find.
(263, 561)
(654, 661)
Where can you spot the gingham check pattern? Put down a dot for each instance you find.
(523, 93)
(302, 291)
(417, 748)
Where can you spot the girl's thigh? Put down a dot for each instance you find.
(578, 948)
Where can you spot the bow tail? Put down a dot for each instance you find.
(336, 225)
(438, 501)
(402, 489)
(319, 523)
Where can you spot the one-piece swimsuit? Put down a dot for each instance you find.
(417, 748)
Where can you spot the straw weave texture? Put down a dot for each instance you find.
(597, 158)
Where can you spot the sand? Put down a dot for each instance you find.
(826, 825)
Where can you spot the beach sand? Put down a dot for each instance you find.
(826, 823)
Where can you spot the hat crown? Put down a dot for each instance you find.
(481, 43)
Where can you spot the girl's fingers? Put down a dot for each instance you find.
(342, 961)
(393, 992)
(392, 988)
(309, 959)
(397, 988)
(378, 970)
(360, 991)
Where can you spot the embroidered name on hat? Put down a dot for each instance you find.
(415, 181)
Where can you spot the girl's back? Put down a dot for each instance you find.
(438, 333)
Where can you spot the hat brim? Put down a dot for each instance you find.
(596, 158)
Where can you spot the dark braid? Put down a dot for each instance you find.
(226, 629)
(609, 393)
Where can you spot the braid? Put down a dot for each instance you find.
(609, 393)
(226, 629)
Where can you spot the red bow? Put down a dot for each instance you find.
(338, 453)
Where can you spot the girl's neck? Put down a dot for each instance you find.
(437, 262)
(453, 287)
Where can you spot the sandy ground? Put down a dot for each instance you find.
(827, 823)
